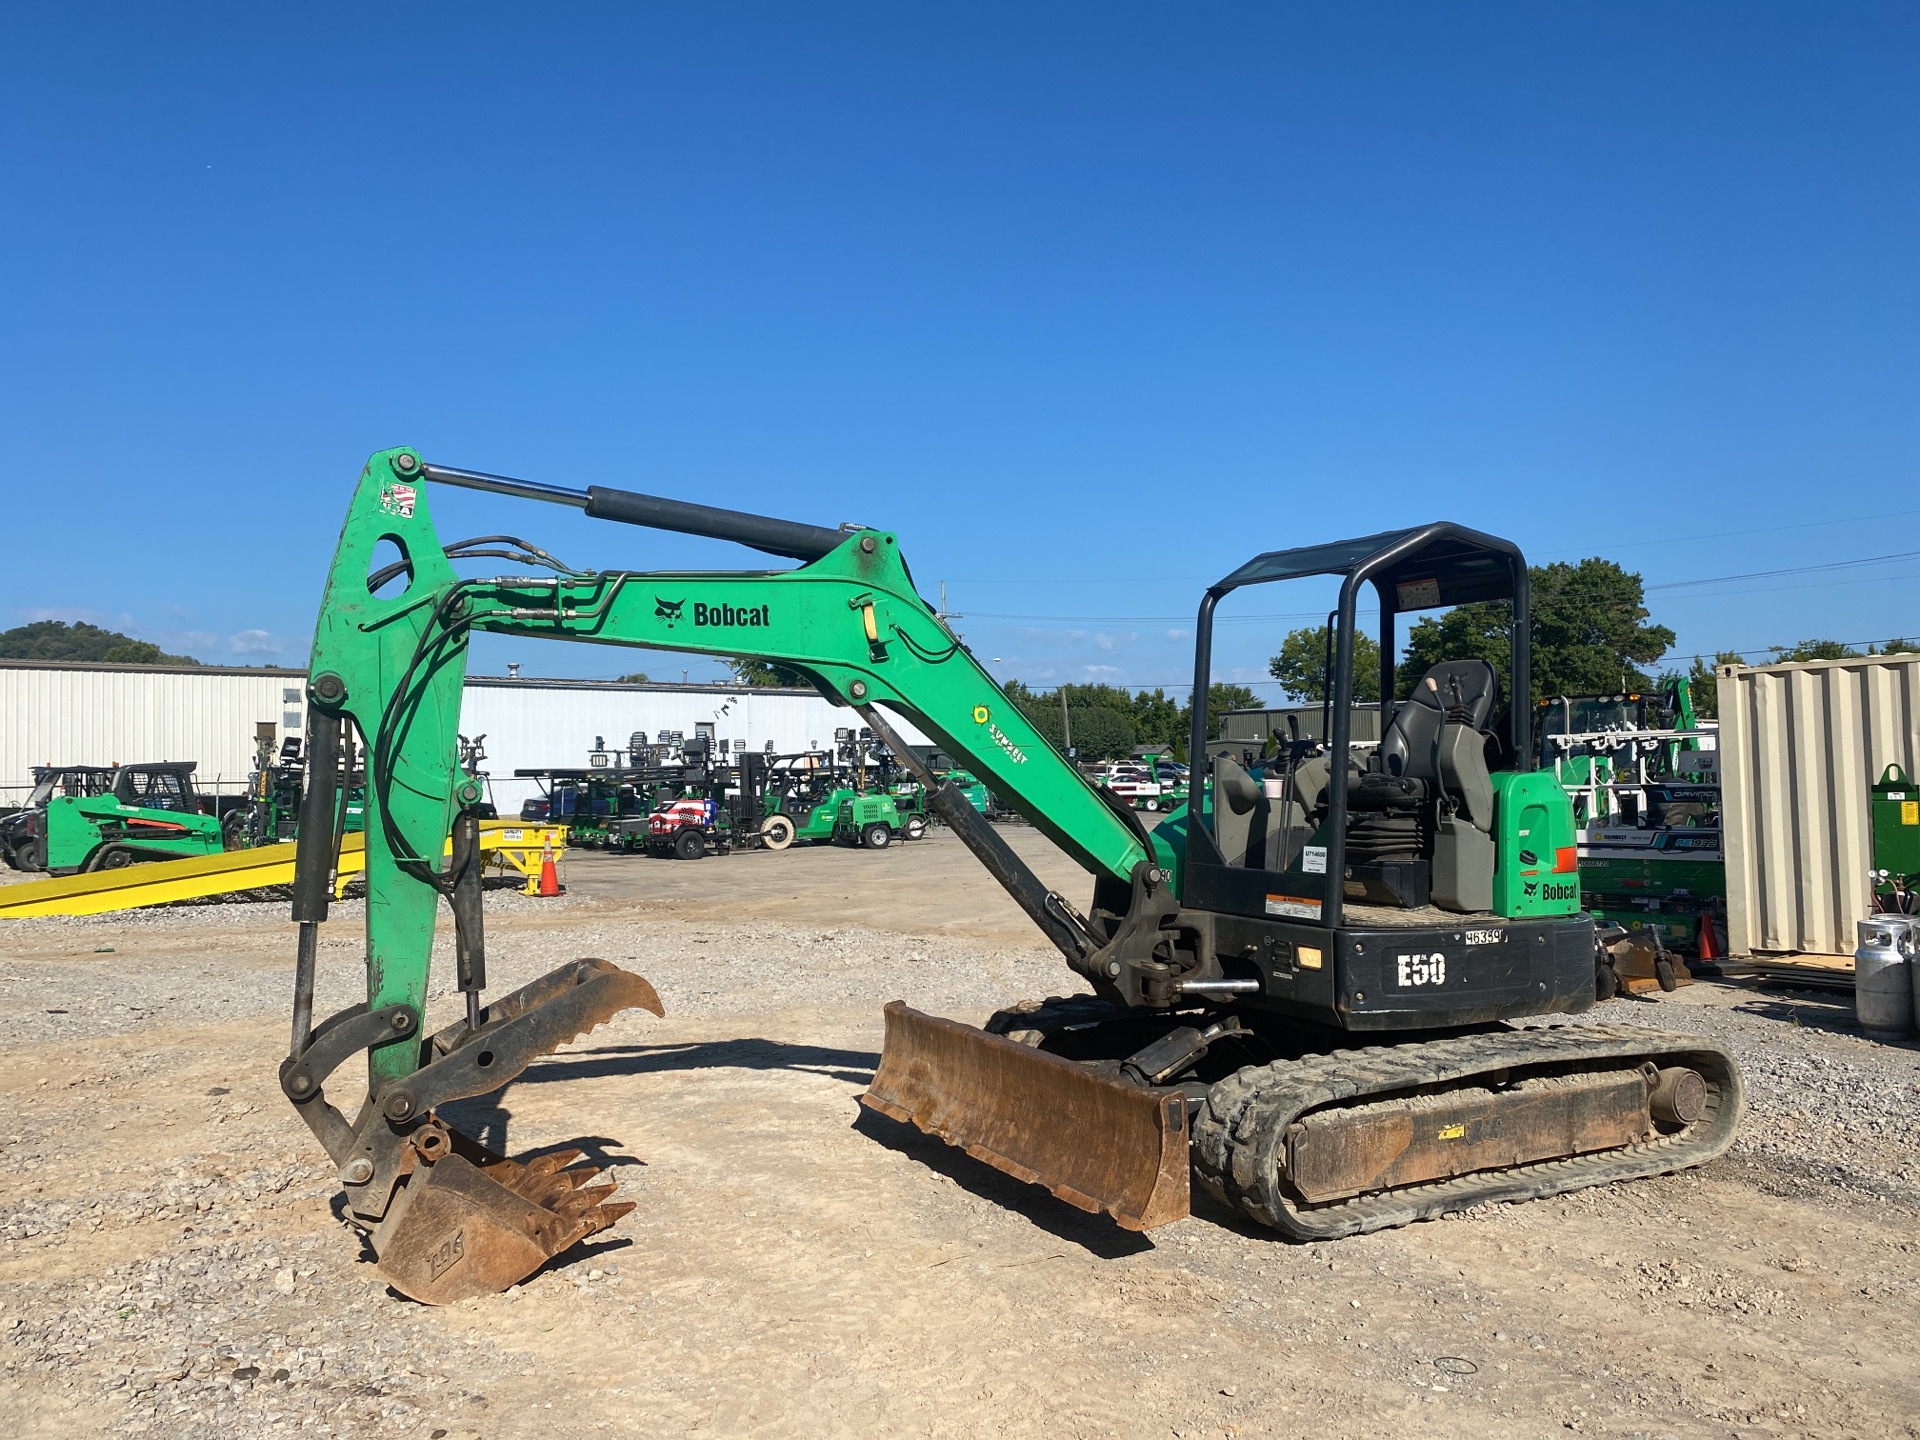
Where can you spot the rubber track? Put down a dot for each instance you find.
(1239, 1134)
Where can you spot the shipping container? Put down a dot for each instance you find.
(1800, 747)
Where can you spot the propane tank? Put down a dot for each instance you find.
(1883, 996)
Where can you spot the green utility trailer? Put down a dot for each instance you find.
(869, 820)
(817, 797)
(843, 815)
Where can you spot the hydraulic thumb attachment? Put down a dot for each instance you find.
(448, 1217)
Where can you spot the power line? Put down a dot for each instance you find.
(1695, 538)
(1791, 570)
(1691, 538)
(1186, 619)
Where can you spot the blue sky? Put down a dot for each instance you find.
(1087, 302)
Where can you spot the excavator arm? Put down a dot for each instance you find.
(448, 1217)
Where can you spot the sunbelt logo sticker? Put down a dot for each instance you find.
(983, 716)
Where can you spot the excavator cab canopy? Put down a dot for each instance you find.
(1425, 567)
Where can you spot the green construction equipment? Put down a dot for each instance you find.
(143, 813)
(1646, 798)
(271, 812)
(1896, 843)
(1306, 998)
(23, 832)
(851, 795)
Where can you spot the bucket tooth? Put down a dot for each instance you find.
(558, 1160)
(1102, 1145)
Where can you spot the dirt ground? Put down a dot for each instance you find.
(171, 1264)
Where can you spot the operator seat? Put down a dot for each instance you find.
(1427, 793)
(1240, 823)
(1462, 692)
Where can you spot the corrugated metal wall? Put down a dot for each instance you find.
(1800, 745)
(90, 715)
(96, 715)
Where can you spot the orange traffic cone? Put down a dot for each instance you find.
(549, 877)
(1707, 940)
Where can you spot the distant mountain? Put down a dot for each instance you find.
(58, 640)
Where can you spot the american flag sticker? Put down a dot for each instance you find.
(398, 500)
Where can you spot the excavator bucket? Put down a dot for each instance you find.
(1100, 1144)
(469, 1221)
(473, 1226)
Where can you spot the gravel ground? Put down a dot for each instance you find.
(170, 1263)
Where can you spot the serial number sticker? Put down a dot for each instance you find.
(1313, 859)
(1292, 908)
(1483, 937)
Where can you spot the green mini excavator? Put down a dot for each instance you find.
(1303, 986)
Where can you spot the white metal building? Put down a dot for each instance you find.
(85, 714)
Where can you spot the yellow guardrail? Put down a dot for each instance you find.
(506, 846)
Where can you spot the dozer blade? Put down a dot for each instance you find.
(468, 1221)
(1102, 1145)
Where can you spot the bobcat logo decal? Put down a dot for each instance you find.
(668, 610)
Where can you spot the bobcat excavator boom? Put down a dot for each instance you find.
(1225, 973)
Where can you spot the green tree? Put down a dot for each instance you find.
(1838, 650)
(1221, 697)
(638, 677)
(58, 640)
(1301, 665)
(1813, 650)
(1590, 633)
(1101, 716)
(1111, 696)
(764, 674)
(1101, 732)
(1704, 677)
(1156, 718)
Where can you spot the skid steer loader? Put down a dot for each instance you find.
(1303, 984)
